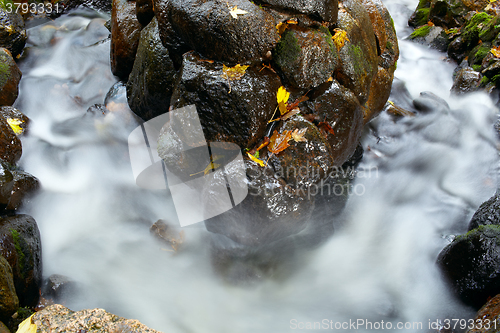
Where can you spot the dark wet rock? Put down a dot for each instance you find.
(58, 319)
(388, 54)
(152, 78)
(306, 58)
(10, 75)
(471, 264)
(207, 27)
(434, 36)
(487, 214)
(12, 33)
(8, 298)
(125, 34)
(281, 210)
(25, 185)
(341, 110)
(491, 312)
(358, 58)
(144, 11)
(19, 118)
(20, 244)
(6, 185)
(10, 145)
(321, 10)
(235, 111)
(466, 80)
(59, 288)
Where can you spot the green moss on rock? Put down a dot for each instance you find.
(421, 16)
(421, 32)
(287, 50)
(17, 244)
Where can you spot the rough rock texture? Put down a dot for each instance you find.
(12, 33)
(322, 10)
(10, 145)
(207, 27)
(466, 80)
(235, 111)
(150, 85)
(144, 11)
(58, 319)
(6, 184)
(488, 317)
(24, 185)
(20, 244)
(471, 263)
(125, 34)
(10, 75)
(488, 213)
(8, 298)
(306, 57)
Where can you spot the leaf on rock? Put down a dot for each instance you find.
(235, 12)
(282, 98)
(282, 26)
(256, 160)
(27, 326)
(325, 128)
(233, 73)
(495, 51)
(14, 124)
(298, 134)
(339, 38)
(279, 142)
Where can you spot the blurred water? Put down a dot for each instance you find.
(429, 174)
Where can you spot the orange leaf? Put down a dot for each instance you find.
(495, 51)
(279, 142)
(325, 128)
(340, 38)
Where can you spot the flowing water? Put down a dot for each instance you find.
(429, 174)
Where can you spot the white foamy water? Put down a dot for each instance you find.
(429, 175)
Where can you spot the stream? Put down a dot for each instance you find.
(428, 175)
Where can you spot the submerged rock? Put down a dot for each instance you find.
(10, 75)
(58, 319)
(59, 288)
(8, 298)
(20, 244)
(471, 264)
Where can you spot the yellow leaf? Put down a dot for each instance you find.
(233, 73)
(14, 124)
(495, 51)
(281, 27)
(27, 326)
(491, 1)
(282, 95)
(298, 135)
(256, 160)
(340, 38)
(235, 12)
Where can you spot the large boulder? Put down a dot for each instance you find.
(471, 264)
(8, 298)
(487, 214)
(322, 10)
(208, 27)
(58, 319)
(20, 244)
(10, 75)
(125, 34)
(151, 81)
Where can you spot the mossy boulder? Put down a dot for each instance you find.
(125, 34)
(305, 57)
(471, 264)
(8, 298)
(10, 75)
(20, 244)
(151, 81)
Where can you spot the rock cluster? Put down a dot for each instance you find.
(469, 31)
(335, 58)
